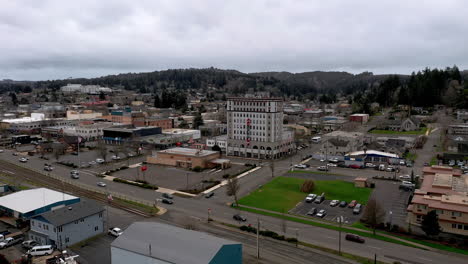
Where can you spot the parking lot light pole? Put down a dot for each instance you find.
(339, 235)
(391, 214)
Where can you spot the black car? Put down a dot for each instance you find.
(167, 201)
(312, 211)
(343, 204)
(354, 238)
(167, 195)
(209, 195)
(239, 217)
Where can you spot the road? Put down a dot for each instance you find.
(197, 208)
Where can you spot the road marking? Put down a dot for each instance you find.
(374, 247)
(424, 259)
(330, 237)
(196, 218)
(7, 171)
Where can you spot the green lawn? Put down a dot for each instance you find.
(411, 156)
(434, 161)
(418, 132)
(283, 193)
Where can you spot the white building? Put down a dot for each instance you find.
(220, 141)
(88, 132)
(192, 133)
(255, 128)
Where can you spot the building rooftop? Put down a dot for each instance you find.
(373, 152)
(188, 152)
(30, 200)
(73, 212)
(169, 243)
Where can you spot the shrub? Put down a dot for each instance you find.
(291, 240)
(308, 186)
(197, 169)
(225, 176)
(372, 185)
(142, 185)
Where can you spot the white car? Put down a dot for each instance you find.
(100, 161)
(370, 165)
(115, 231)
(101, 184)
(407, 184)
(331, 165)
(23, 160)
(322, 160)
(402, 162)
(300, 166)
(405, 177)
(310, 198)
(334, 202)
(1, 150)
(321, 213)
(116, 157)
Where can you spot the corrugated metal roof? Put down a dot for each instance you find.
(170, 243)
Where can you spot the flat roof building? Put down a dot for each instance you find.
(28, 203)
(151, 242)
(186, 158)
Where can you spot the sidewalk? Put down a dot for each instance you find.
(347, 227)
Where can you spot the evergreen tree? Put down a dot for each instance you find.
(197, 121)
(157, 102)
(430, 224)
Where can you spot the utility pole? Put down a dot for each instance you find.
(258, 234)
(297, 237)
(186, 176)
(339, 235)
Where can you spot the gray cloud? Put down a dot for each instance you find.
(51, 39)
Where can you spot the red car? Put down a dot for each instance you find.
(352, 204)
(354, 166)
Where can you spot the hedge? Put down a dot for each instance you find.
(142, 185)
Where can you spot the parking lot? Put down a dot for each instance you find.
(14, 252)
(333, 212)
(392, 199)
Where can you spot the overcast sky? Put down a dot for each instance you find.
(89, 38)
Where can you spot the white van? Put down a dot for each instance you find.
(316, 139)
(41, 250)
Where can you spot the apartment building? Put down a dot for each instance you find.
(444, 190)
(255, 128)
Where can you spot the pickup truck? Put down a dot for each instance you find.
(10, 241)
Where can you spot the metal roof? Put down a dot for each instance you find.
(73, 212)
(30, 200)
(170, 243)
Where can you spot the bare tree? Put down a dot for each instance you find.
(102, 149)
(373, 214)
(232, 188)
(272, 168)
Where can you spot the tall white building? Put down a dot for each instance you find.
(255, 128)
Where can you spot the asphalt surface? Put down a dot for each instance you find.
(197, 208)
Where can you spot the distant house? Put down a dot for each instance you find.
(407, 124)
(336, 146)
(68, 225)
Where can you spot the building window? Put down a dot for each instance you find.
(456, 214)
(439, 212)
(82, 220)
(96, 228)
(67, 240)
(454, 225)
(100, 215)
(76, 222)
(418, 218)
(460, 226)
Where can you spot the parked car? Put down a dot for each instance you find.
(167, 201)
(10, 241)
(167, 195)
(23, 159)
(390, 169)
(370, 165)
(209, 195)
(426, 163)
(334, 202)
(48, 168)
(352, 204)
(116, 157)
(100, 161)
(41, 250)
(310, 198)
(300, 166)
(322, 160)
(28, 244)
(1, 150)
(319, 199)
(343, 204)
(381, 167)
(92, 162)
(322, 168)
(75, 174)
(75, 153)
(451, 163)
(115, 231)
(405, 177)
(407, 185)
(101, 184)
(334, 160)
(239, 217)
(355, 166)
(460, 163)
(15, 153)
(321, 213)
(354, 238)
(402, 162)
(312, 211)
(357, 209)
(332, 165)
(409, 164)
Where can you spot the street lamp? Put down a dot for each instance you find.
(391, 214)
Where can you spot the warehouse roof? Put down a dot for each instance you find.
(30, 200)
(188, 152)
(73, 212)
(170, 243)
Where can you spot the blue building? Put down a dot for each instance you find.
(28, 203)
(151, 242)
(68, 225)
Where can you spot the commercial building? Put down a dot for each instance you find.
(152, 242)
(188, 158)
(164, 123)
(34, 123)
(220, 141)
(66, 226)
(444, 190)
(193, 134)
(126, 117)
(255, 128)
(88, 89)
(89, 132)
(28, 203)
(361, 118)
(82, 115)
(118, 135)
